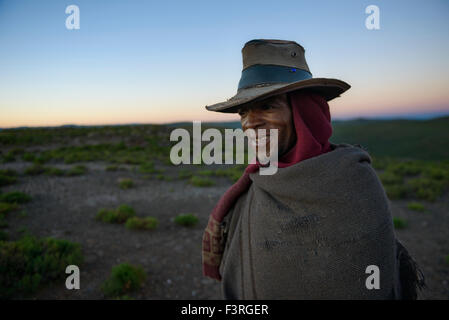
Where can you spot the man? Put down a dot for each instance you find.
(321, 226)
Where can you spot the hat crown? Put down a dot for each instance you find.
(274, 52)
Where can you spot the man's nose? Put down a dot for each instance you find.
(253, 120)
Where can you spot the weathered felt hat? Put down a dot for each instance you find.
(272, 67)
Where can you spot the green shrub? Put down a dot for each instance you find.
(124, 278)
(3, 223)
(125, 183)
(77, 170)
(29, 262)
(147, 167)
(7, 177)
(147, 223)
(426, 188)
(51, 171)
(3, 237)
(186, 220)
(6, 207)
(437, 173)
(396, 191)
(9, 157)
(390, 178)
(184, 174)
(201, 182)
(15, 197)
(35, 169)
(405, 168)
(233, 173)
(118, 215)
(41, 159)
(416, 206)
(8, 172)
(380, 163)
(17, 151)
(6, 180)
(28, 156)
(399, 223)
(206, 173)
(114, 167)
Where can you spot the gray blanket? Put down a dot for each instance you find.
(310, 231)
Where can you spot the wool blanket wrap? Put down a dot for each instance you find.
(310, 231)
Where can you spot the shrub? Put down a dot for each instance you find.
(7, 177)
(186, 220)
(6, 207)
(5, 180)
(3, 237)
(407, 168)
(380, 163)
(54, 171)
(426, 188)
(201, 182)
(114, 167)
(399, 223)
(15, 197)
(8, 172)
(416, 206)
(185, 174)
(147, 223)
(9, 157)
(35, 169)
(436, 173)
(3, 223)
(125, 183)
(206, 173)
(124, 278)
(28, 156)
(147, 167)
(396, 191)
(233, 173)
(77, 170)
(118, 215)
(390, 178)
(29, 262)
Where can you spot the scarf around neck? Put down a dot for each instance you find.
(312, 121)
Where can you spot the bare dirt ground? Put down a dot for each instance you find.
(65, 207)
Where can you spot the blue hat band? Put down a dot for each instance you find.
(262, 74)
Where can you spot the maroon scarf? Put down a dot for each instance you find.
(313, 128)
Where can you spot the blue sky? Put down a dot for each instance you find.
(155, 62)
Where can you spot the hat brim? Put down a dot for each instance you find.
(328, 88)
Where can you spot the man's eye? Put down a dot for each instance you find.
(266, 107)
(242, 112)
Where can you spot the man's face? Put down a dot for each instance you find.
(271, 113)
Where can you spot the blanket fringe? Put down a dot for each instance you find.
(410, 275)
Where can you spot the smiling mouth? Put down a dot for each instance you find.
(258, 142)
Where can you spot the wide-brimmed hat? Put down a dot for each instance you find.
(272, 67)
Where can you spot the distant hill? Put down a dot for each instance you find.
(418, 139)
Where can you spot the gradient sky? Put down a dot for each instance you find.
(163, 61)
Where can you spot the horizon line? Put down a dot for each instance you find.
(412, 117)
